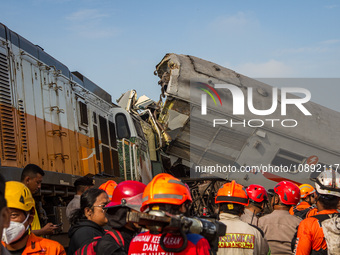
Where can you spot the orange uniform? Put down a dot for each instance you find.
(301, 206)
(310, 237)
(312, 212)
(301, 210)
(42, 246)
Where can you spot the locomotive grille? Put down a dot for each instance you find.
(7, 137)
(22, 119)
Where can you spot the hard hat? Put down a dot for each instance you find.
(165, 189)
(18, 196)
(257, 193)
(328, 183)
(232, 192)
(129, 194)
(288, 192)
(306, 190)
(109, 187)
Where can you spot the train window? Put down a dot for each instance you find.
(139, 129)
(122, 126)
(103, 130)
(289, 159)
(95, 117)
(114, 155)
(113, 138)
(83, 114)
(107, 161)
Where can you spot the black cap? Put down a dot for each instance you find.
(85, 181)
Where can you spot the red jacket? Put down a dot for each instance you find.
(42, 246)
(146, 243)
(310, 236)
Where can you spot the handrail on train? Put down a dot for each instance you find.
(132, 158)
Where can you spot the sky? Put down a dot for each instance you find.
(117, 44)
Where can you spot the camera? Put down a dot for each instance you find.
(161, 222)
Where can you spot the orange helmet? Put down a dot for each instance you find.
(306, 190)
(109, 187)
(165, 189)
(232, 192)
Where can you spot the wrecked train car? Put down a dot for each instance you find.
(209, 127)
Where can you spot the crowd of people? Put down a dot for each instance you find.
(302, 220)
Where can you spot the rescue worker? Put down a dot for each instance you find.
(126, 197)
(4, 214)
(240, 238)
(258, 198)
(311, 236)
(32, 176)
(16, 237)
(279, 226)
(308, 200)
(81, 184)
(166, 193)
(109, 187)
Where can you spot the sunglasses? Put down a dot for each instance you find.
(102, 207)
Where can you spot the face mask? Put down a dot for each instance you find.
(15, 231)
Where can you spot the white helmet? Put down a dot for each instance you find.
(328, 183)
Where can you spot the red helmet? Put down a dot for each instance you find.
(288, 192)
(257, 193)
(129, 194)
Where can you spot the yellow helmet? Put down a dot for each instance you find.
(306, 190)
(18, 196)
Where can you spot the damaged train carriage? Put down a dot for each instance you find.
(252, 144)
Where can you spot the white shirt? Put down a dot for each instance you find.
(72, 206)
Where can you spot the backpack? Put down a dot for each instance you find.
(330, 224)
(302, 213)
(90, 248)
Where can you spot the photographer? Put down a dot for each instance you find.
(167, 194)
